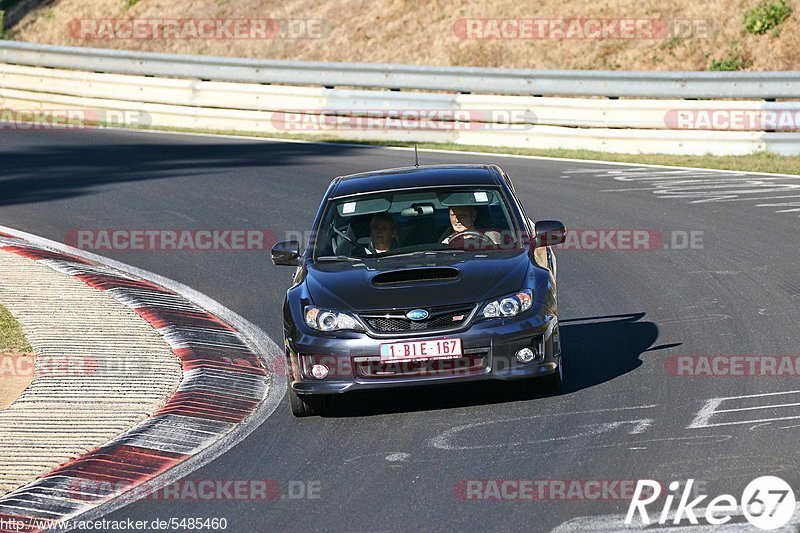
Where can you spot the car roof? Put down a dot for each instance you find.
(413, 177)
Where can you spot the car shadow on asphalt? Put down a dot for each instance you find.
(595, 350)
(602, 348)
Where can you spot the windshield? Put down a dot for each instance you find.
(435, 219)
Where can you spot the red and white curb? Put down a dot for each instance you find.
(226, 391)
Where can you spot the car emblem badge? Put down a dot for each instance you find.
(417, 314)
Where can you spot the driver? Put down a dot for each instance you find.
(462, 218)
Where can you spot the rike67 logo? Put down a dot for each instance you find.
(767, 502)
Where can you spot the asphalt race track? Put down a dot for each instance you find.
(400, 462)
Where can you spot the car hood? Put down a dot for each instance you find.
(393, 282)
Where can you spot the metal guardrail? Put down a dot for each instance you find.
(266, 97)
(760, 85)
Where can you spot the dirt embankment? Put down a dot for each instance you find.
(547, 34)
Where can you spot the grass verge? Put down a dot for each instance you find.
(11, 337)
(16, 360)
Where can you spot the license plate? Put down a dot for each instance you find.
(421, 350)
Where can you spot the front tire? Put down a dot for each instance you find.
(306, 405)
(555, 381)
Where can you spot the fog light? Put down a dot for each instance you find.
(526, 355)
(319, 371)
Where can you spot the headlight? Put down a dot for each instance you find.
(511, 305)
(329, 320)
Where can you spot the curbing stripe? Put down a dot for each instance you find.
(266, 349)
(104, 282)
(135, 298)
(224, 383)
(162, 318)
(38, 254)
(91, 347)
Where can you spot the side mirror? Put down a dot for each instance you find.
(549, 233)
(286, 253)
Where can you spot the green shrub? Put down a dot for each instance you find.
(766, 16)
(733, 61)
(5, 33)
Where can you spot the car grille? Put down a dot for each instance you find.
(439, 319)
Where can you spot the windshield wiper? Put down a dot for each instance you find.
(335, 258)
(422, 252)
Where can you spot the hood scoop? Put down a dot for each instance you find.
(416, 275)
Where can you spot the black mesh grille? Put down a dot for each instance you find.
(465, 365)
(438, 319)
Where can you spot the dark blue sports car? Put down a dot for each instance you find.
(416, 277)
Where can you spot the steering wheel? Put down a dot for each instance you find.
(466, 234)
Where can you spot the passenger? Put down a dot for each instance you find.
(462, 218)
(383, 234)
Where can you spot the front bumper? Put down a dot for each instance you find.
(489, 349)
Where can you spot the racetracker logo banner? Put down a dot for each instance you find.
(584, 239)
(582, 29)
(545, 489)
(164, 29)
(248, 490)
(200, 240)
(70, 119)
(631, 240)
(310, 120)
(733, 119)
(733, 366)
(25, 366)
